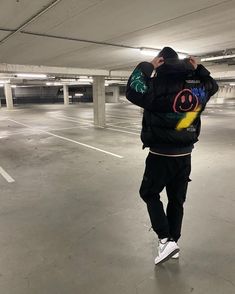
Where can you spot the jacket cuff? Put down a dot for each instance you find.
(146, 68)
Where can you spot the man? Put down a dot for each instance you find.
(173, 101)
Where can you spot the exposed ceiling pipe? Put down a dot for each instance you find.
(103, 43)
(29, 21)
(81, 40)
(6, 30)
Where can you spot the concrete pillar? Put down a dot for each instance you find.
(8, 95)
(113, 94)
(116, 93)
(231, 93)
(66, 94)
(99, 101)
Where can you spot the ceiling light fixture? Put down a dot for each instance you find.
(68, 80)
(155, 52)
(85, 80)
(110, 82)
(77, 83)
(4, 81)
(34, 76)
(53, 84)
(2, 76)
(218, 57)
(149, 52)
(182, 55)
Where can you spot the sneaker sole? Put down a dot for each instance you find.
(168, 257)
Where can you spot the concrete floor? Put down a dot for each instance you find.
(72, 222)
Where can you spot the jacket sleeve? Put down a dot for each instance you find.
(210, 84)
(139, 85)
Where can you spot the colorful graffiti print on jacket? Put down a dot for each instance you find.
(190, 102)
(138, 82)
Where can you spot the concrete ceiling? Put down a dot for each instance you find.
(196, 27)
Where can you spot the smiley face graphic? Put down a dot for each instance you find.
(185, 101)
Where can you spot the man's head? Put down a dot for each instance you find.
(168, 53)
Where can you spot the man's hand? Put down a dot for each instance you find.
(157, 61)
(193, 61)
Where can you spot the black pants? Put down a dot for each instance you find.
(171, 173)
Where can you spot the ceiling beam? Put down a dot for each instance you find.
(224, 75)
(29, 21)
(217, 72)
(120, 73)
(18, 68)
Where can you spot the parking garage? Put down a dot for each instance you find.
(71, 159)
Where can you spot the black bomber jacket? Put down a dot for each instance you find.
(173, 101)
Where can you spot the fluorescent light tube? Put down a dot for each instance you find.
(115, 81)
(218, 57)
(182, 55)
(80, 83)
(4, 81)
(149, 52)
(154, 52)
(68, 80)
(53, 84)
(85, 80)
(35, 76)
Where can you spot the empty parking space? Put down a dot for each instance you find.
(73, 213)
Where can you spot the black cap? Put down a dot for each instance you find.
(168, 52)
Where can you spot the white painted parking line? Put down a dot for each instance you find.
(105, 128)
(88, 122)
(78, 118)
(75, 127)
(67, 139)
(121, 122)
(62, 129)
(74, 120)
(6, 176)
(85, 145)
(122, 131)
(121, 127)
(125, 117)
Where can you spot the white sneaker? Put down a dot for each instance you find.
(176, 256)
(166, 249)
